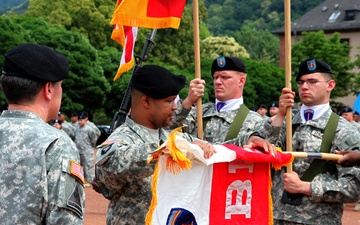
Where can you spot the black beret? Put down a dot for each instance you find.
(262, 106)
(228, 63)
(157, 82)
(83, 115)
(57, 121)
(274, 104)
(74, 114)
(60, 113)
(36, 62)
(356, 113)
(313, 66)
(346, 110)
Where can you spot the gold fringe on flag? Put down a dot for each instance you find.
(277, 166)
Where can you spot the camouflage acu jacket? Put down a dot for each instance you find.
(329, 190)
(41, 181)
(123, 174)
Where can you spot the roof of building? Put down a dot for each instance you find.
(331, 15)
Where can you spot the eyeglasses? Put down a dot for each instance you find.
(310, 82)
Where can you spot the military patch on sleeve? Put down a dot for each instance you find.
(77, 170)
(74, 202)
(107, 145)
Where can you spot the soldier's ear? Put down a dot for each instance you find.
(145, 101)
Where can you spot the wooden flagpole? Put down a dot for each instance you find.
(287, 9)
(197, 65)
(317, 155)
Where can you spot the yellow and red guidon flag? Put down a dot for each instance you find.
(232, 187)
(130, 14)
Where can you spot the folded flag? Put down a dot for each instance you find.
(232, 187)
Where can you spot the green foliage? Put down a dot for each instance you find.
(263, 84)
(90, 18)
(86, 87)
(265, 47)
(11, 35)
(214, 47)
(330, 50)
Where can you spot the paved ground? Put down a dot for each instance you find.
(96, 206)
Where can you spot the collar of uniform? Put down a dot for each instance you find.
(143, 133)
(319, 110)
(231, 104)
(21, 114)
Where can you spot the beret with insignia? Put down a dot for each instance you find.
(36, 62)
(57, 121)
(157, 82)
(346, 110)
(228, 63)
(262, 106)
(310, 66)
(274, 104)
(83, 115)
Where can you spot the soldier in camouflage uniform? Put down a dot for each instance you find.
(323, 197)
(85, 140)
(41, 181)
(347, 113)
(229, 75)
(66, 126)
(85, 115)
(122, 171)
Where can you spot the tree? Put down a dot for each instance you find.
(90, 18)
(330, 50)
(265, 47)
(86, 87)
(11, 35)
(214, 47)
(263, 84)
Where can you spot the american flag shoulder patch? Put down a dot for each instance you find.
(77, 170)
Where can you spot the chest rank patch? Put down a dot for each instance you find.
(77, 170)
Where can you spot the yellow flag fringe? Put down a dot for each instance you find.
(154, 200)
(124, 68)
(271, 216)
(153, 23)
(177, 160)
(278, 166)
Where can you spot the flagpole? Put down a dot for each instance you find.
(287, 8)
(197, 65)
(317, 155)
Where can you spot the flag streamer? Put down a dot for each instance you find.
(131, 14)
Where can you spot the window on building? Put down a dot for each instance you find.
(334, 16)
(350, 15)
(347, 40)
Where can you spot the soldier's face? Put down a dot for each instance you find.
(316, 89)
(228, 84)
(162, 111)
